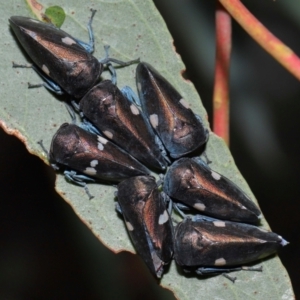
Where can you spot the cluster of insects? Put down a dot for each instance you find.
(124, 136)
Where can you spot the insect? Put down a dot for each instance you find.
(211, 246)
(65, 63)
(191, 182)
(179, 129)
(147, 221)
(91, 155)
(121, 121)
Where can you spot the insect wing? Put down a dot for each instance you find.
(147, 221)
(121, 121)
(192, 182)
(92, 155)
(219, 243)
(58, 55)
(177, 126)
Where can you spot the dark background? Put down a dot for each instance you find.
(47, 252)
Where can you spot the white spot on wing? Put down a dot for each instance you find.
(215, 175)
(139, 86)
(30, 33)
(68, 41)
(220, 262)
(199, 206)
(184, 103)
(163, 218)
(129, 226)
(102, 140)
(219, 224)
(45, 69)
(90, 171)
(154, 120)
(134, 109)
(100, 146)
(34, 21)
(108, 134)
(94, 163)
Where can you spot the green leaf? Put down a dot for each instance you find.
(133, 29)
(56, 14)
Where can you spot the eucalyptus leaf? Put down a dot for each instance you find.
(56, 14)
(133, 29)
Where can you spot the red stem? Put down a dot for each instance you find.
(283, 54)
(221, 86)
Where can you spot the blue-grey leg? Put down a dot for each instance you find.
(182, 206)
(73, 177)
(168, 201)
(43, 147)
(48, 83)
(71, 112)
(118, 208)
(162, 149)
(215, 271)
(179, 211)
(90, 46)
(203, 155)
(128, 93)
(85, 124)
(88, 126)
(160, 180)
(107, 60)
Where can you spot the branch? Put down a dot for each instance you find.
(283, 54)
(221, 86)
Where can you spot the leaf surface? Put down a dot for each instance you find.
(133, 29)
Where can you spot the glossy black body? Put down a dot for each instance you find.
(201, 242)
(175, 123)
(121, 121)
(147, 221)
(92, 155)
(58, 55)
(192, 182)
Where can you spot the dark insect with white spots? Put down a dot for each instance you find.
(191, 182)
(209, 246)
(121, 121)
(179, 129)
(92, 155)
(147, 221)
(65, 63)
